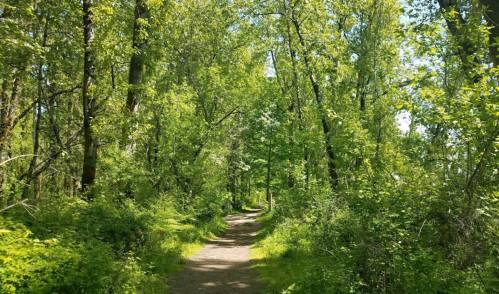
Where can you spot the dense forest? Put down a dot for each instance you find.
(129, 128)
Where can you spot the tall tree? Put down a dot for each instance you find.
(291, 14)
(136, 72)
(491, 14)
(89, 99)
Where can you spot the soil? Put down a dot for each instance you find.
(222, 266)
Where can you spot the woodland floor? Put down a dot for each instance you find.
(223, 266)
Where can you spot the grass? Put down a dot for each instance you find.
(196, 238)
(281, 255)
(206, 232)
(247, 207)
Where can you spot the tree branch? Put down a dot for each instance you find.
(10, 159)
(201, 145)
(13, 205)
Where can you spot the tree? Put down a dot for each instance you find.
(137, 61)
(90, 103)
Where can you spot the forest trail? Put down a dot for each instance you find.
(222, 266)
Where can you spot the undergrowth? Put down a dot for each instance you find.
(331, 248)
(283, 253)
(71, 246)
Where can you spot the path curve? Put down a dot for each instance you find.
(222, 266)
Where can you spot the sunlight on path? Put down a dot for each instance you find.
(222, 266)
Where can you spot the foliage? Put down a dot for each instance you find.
(99, 249)
(372, 123)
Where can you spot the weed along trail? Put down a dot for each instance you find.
(223, 266)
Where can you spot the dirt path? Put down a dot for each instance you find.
(222, 266)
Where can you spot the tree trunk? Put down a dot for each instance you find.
(89, 101)
(292, 55)
(492, 18)
(8, 109)
(71, 177)
(37, 116)
(361, 92)
(137, 60)
(249, 185)
(331, 157)
(458, 27)
(290, 113)
(232, 163)
(4, 123)
(231, 186)
(269, 165)
(136, 64)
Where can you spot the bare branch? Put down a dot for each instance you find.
(268, 13)
(24, 155)
(200, 148)
(70, 90)
(13, 205)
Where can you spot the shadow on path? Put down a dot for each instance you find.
(222, 266)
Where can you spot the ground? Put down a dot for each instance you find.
(223, 266)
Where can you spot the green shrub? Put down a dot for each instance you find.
(30, 265)
(104, 246)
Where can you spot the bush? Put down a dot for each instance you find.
(30, 265)
(104, 246)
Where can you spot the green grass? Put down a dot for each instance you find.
(245, 208)
(102, 248)
(204, 232)
(281, 254)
